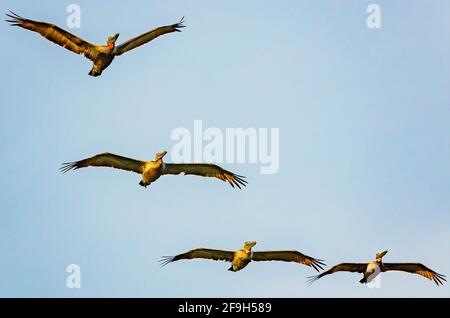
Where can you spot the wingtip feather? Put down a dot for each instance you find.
(166, 260)
(311, 279)
(67, 166)
(14, 16)
(179, 25)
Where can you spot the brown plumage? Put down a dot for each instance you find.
(206, 253)
(152, 170)
(288, 256)
(415, 268)
(100, 55)
(205, 170)
(343, 267)
(241, 258)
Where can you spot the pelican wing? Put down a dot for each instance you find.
(205, 170)
(415, 268)
(147, 37)
(206, 253)
(288, 256)
(106, 160)
(343, 267)
(53, 33)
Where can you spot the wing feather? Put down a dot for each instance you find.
(205, 170)
(106, 160)
(54, 34)
(415, 268)
(288, 256)
(343, 267)
(147, 37)
(205, 253)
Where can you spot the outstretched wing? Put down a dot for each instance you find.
(55, 34)
(343, 267)
(106, 160)
(147, 37)
(205, 170)
(288, 256)
(415, 268)
(206, 253)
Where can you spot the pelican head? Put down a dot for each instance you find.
(379, 256)
(248, 246)
(112, 40)
(160, 155)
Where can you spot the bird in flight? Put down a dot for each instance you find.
(100, 55)
(152, 170)
(240, 258)
(372, 269)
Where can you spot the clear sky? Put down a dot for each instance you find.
(364, 147)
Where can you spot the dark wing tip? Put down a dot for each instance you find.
(14, 20)
(15, 17)
(14, 14)
(237, 180)
(318, 264)
(166, 260)
(179, 25)
(311, 279)
(439, 279)
(69, 166)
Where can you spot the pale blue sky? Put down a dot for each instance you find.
(364, 156)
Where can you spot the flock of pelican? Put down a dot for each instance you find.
(101, 57)
(241, 258)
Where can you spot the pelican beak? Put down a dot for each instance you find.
(380, 255)
(113, 39)
(160, 155)
(249, 245)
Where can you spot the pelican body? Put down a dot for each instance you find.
(152, 170)
(242, 257)
(104, 57)
(373, 269)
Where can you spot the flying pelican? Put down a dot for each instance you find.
(152, 170)
(100, 55)
(372, 269)
(240, 258)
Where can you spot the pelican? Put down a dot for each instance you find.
(152, 170)
(240, 258)
(100, 55)
(372, 269)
